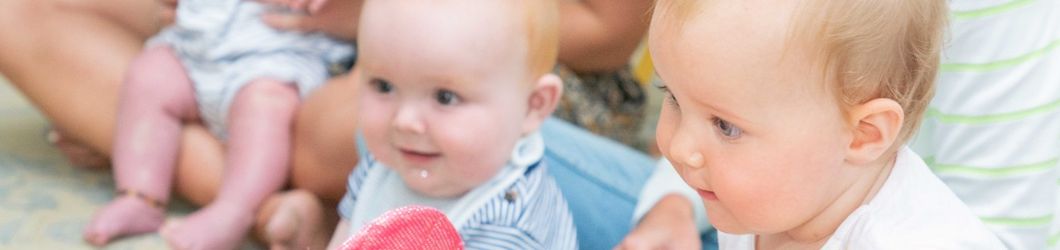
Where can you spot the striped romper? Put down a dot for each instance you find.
(223, 45)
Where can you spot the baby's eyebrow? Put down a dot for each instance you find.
(722, 113)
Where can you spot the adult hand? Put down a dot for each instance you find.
(338, 18)
(310, 6)
(670, 224)
(169, 11)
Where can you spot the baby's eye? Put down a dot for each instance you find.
(381, 86)
(727, 129)
(446, 97)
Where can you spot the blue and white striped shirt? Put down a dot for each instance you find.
(528, 212)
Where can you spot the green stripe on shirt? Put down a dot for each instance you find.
(1006, 171)
(992, 118)
(1019, 222)
(995, 65)
(989, 11)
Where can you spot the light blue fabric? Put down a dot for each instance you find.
(600, 179)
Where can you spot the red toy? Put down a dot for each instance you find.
(409, 227)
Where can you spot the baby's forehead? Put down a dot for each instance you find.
(454, 30)
(489, 18)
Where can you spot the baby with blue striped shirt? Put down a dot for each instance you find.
(453, 93)
(219, 64)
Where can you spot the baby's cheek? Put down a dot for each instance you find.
(478, 174)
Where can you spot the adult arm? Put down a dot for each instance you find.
(601, 35)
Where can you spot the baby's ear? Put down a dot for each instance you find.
(544, 97)
(876, 125)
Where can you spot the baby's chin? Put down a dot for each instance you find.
(432, 186)
(726, 222)
(728, 226)
(731, 225)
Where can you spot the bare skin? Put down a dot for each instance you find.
(70, 59)
(157, 99)
(600, 35)
(587, 30)
(667, 225)
(297, 218)
(84, 47)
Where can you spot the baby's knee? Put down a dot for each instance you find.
(269, 94)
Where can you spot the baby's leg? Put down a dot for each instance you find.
(259, 128)
(156, 98)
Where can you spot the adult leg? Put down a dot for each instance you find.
(259, 126)
(325, 151)
(69, 58)
(69, 61)
(156, 99)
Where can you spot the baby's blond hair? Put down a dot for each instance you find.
(872, 48)
(880, 49)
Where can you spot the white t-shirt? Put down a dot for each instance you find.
(992, 132)
(913, 210)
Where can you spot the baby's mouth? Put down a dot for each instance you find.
(418, 157)
(707, 195)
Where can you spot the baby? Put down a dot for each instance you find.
(453, 94)
(219, 64)
(788, 119)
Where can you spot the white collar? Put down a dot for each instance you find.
(527, 152)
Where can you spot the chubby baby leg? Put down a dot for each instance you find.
(156, 98)
(257, 160)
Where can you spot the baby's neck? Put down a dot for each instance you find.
(866, 181)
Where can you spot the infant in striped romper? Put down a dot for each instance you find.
(219, 64)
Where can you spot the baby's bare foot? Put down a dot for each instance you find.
(212, 227)
(297, 223)
(125, 215)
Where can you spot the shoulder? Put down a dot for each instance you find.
(919, 225)
(532, 209)
(922, 238)
(915, 210)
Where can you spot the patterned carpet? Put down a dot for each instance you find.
(44, 202)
